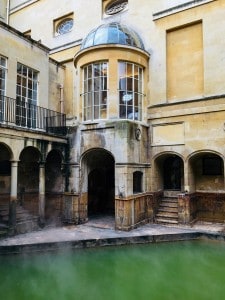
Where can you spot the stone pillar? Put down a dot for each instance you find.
(184, 210)
(186, 178)
(42, 193)
(13, 196)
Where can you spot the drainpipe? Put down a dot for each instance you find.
(61, 99)
(7, 12)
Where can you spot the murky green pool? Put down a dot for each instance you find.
(182, 270)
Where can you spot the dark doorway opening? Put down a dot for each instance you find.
(101, 183)
(173, 172)
(100, 186)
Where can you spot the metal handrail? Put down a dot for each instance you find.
(19, 113)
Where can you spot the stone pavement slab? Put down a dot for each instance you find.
(101, 232)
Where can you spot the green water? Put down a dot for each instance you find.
(182, 270)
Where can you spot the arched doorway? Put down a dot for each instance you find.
(100, 167)
(172, 173)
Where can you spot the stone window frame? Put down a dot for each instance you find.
(63, 21)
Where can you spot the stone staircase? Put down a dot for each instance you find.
(4, 209)
(25, 222)
(167, 212)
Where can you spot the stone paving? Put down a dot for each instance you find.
(102, 228)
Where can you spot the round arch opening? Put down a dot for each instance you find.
(100, 169)
(170, 172)
(206, 172)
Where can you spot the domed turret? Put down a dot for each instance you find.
(112, 33)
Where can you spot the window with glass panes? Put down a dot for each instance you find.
(26, 96)
(95, 91)
(130, 91)
(3, 69)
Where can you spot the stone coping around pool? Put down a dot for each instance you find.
(103, 242)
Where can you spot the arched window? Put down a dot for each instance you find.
(95, 91)
(137, 182)
(130, 91)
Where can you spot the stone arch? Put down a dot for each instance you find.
(206, 171)
(168, 169)
(98, 175)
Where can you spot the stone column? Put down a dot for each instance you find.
(13, 196)
(186, 178)
(42, 193)
(184, 210)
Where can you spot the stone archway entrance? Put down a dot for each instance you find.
(169, 173)
(100, 167)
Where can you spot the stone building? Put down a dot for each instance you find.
(141, 85)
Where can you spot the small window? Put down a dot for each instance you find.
(137, 182)
(63, 24)
(116, 7)
(212, 165)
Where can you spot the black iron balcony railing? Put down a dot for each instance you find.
(27, 115)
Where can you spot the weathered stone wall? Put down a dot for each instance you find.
(132, 211)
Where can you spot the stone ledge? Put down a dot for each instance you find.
(179, 8)
(103, 242)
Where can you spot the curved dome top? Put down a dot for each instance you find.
(112, 33)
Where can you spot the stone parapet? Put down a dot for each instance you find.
(135, 210)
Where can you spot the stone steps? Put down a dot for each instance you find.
(3, 230)
(167, 211)
(25, 222)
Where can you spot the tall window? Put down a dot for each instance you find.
(95, 91)
(3, 69)
(137, 182)
(130, 91)
(26, 96)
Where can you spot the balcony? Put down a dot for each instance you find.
(17, 113)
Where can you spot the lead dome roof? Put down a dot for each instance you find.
(112, 33)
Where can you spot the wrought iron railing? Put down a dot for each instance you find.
(15, 112)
